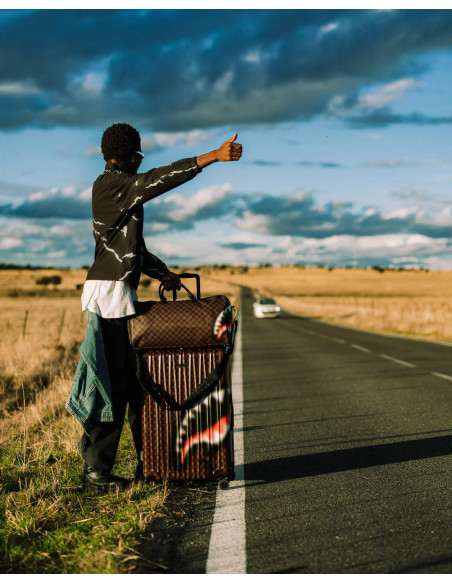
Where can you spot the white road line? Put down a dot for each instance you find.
(227, 549)
(442, 375)
(337, 340)
(360, 348)
(398, 361)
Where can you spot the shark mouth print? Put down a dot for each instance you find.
(206, 423)
(213, 435)
(223, 322)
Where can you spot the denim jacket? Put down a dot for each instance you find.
(90, 396)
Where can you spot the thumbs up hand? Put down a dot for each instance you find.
(229, 150)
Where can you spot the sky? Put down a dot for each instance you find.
(345, 117)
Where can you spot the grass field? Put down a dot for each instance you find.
(47, 524)
(409, 303)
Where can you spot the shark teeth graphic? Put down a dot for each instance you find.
(203, 424)
(223, 322)
(213, 435)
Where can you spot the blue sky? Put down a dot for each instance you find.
(345, 117)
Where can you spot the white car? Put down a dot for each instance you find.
(266, 307)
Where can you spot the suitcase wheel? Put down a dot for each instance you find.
(223, 484)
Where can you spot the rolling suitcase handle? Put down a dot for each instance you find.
(190, 294)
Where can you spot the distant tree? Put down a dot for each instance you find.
(44, 281)
(49, 280)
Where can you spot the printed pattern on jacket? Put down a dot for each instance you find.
(117, 206)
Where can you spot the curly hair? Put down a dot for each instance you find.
(120, 141)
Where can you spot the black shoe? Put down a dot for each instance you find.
(105, 482)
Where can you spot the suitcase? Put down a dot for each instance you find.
(183, 349)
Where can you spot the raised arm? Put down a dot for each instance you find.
(143, 187)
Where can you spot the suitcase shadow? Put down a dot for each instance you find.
(308, 465)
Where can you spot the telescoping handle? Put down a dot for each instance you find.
(191, 296)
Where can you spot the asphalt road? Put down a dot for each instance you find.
(348, 443)
(347, 458)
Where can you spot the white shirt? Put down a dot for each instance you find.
(109, 298)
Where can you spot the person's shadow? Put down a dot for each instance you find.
(305, 465)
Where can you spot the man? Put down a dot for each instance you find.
(119, 194)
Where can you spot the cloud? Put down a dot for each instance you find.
(362, 251)
(18, 89)
(10, 191)
(406, 161)
(162, 140)
(240, 245)
(384, 118)
(339, 250)
(300, 163)
(42, 242)
(392, 163)
(7, 243)
(159, 141)
(342, 106)
(55, 226)
(328, 28)
(173, 71)
(266, 163)
(92, 151)
(176, 212)
(54, 203)
(298, 214)
(321, 164)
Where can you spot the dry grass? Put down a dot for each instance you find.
(29, 326)
(414, 303)
(25, 280)
(428, 318)
(47, 525)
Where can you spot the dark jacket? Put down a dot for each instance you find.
(118, 199)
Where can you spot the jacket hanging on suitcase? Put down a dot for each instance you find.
(183, 351)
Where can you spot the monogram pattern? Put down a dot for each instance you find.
(183, 323)
(196, 444)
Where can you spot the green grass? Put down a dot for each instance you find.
(49, 525)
